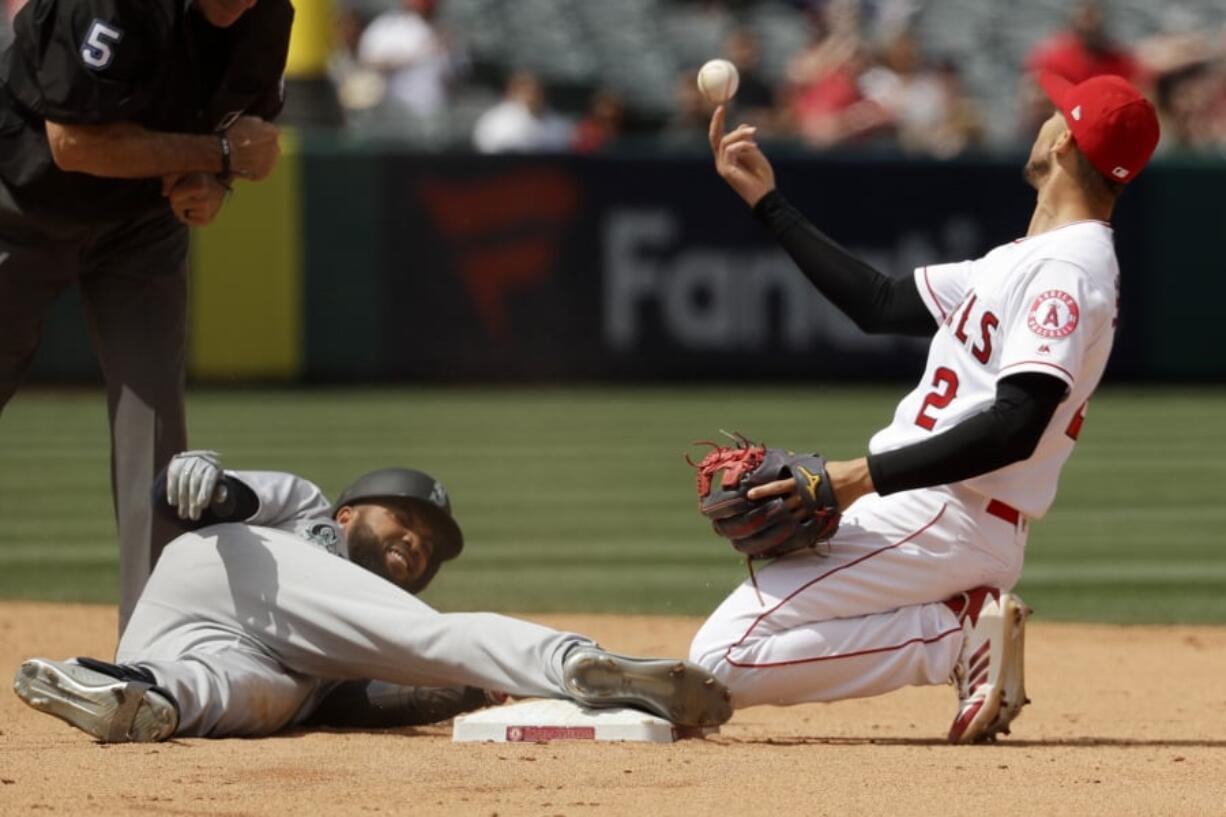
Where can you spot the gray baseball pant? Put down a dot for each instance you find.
(248, 628)
(133, 280)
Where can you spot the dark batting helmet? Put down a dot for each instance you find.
(418, 492)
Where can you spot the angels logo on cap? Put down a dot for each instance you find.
(1113, 124)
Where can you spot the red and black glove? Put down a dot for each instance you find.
(766, 528)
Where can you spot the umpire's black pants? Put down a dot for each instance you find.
(133, 279)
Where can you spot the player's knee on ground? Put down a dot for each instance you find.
(750, 685)
(725, 644)
(231, 693)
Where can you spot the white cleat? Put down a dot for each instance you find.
(112, 702)
(989, 675)
(679, 691)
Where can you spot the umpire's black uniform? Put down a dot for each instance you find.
(161, 65)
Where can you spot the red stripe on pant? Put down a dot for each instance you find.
(827, 574)
(857, 654)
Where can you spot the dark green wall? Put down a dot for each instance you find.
(465, 268)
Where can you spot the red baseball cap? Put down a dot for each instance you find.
(1112, 122)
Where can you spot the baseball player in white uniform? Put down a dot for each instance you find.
(277, 598)
(913, 587)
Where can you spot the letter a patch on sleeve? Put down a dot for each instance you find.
(1054, 314)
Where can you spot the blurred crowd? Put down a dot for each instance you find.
(855, 73)
(862, 77)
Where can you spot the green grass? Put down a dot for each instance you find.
(579, 499)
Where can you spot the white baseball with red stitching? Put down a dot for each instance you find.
(718, 81)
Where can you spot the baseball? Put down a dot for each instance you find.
(718, 80)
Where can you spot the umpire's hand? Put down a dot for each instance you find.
(255, 147)
(196, 198)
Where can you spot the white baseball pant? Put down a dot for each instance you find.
(868, 616)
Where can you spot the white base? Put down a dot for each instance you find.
(541, 721)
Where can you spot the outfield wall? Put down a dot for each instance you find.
(369, 263)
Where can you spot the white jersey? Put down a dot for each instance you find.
(1045, 304)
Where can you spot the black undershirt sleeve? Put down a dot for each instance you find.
(1006, 432)
(240, 504)
(878, 303)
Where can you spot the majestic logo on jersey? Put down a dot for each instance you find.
(811, 479)
(1054, 314)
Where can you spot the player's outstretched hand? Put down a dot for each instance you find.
(254, 147)
(195, 198)
(849, 480)
(192, 482)
(739, 160)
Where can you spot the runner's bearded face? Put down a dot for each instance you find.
(385, 541)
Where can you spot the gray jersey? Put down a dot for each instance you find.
(292, 504)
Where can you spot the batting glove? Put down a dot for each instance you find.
(193, 482)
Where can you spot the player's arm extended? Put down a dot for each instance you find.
(1006, 432)
(124, 150)
(878, 303)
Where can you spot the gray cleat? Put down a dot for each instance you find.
(684, 693)
(112, 702)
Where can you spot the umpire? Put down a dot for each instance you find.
(121, 123)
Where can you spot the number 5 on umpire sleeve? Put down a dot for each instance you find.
(98, 51)
(945, 389)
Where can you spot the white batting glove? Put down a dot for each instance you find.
(192, 482)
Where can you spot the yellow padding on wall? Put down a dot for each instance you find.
(246, 282)
(310, 41)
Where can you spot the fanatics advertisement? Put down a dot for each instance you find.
(385, 266)
(613, 269)
(628, 269)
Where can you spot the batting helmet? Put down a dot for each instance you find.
(415, 490)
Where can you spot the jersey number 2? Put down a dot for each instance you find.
(945, 389)
(98, 51)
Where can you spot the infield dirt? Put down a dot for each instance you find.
(1126, 721)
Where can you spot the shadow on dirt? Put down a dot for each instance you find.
(1074, 743)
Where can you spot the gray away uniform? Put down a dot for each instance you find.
(250, 625)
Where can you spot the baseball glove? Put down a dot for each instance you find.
(765, 528)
